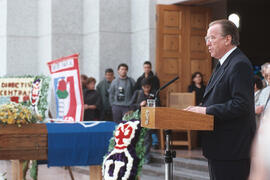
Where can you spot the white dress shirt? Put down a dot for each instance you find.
(222, 60)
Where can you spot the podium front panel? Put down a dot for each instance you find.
(175, 119)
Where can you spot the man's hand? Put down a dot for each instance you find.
(196, 109)
(143, 103)
(92, 106)
(86, 106)
(259, 109)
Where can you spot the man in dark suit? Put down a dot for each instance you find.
(229, 97)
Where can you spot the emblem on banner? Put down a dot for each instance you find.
(63, 98)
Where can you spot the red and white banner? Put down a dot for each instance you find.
(67, 88)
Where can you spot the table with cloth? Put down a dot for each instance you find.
(68, 144)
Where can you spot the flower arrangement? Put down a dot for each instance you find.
(13, 113)
(126, 150)
(42, 104)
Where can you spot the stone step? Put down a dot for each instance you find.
(157, 170)
(194, 164)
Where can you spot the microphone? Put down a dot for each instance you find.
(165, 85)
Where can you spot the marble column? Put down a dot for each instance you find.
(60, 26)
(21, 37)
(44, 35)
(115, 40)
(142, 34)
(66, 28)
(90, 65)
(3, 37)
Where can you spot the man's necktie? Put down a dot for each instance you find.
(217, 66)
(216, 69)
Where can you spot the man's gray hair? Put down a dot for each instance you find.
(228, 28)
(264, 66)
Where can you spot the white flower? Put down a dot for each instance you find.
(3, 176)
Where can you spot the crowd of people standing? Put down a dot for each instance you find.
(113, 97)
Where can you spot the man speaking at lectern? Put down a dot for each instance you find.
(229, 97)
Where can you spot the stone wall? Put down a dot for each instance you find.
(104, 32)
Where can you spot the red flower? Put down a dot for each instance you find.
(25, 98)
(62, 85)
(14, 99)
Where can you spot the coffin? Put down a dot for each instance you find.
(29, 142)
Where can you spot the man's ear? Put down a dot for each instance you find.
(228, 40)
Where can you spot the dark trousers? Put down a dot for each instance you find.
(106, 115)
(147, 144)
(119, 112)
(229, 170)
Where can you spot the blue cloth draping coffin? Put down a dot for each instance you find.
(82, 143)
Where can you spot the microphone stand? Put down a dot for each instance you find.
(169, 153)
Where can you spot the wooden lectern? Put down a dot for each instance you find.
(175, 119)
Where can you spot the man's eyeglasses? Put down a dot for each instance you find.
(212, 38)
(209, 38)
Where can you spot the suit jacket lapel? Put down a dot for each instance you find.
(216, 76)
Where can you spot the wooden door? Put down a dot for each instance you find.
(181, 49)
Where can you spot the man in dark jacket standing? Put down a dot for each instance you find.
(229, 97)
(103, 89)
(147, 68)
(155, 85)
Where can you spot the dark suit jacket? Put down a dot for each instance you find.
(229, 96)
